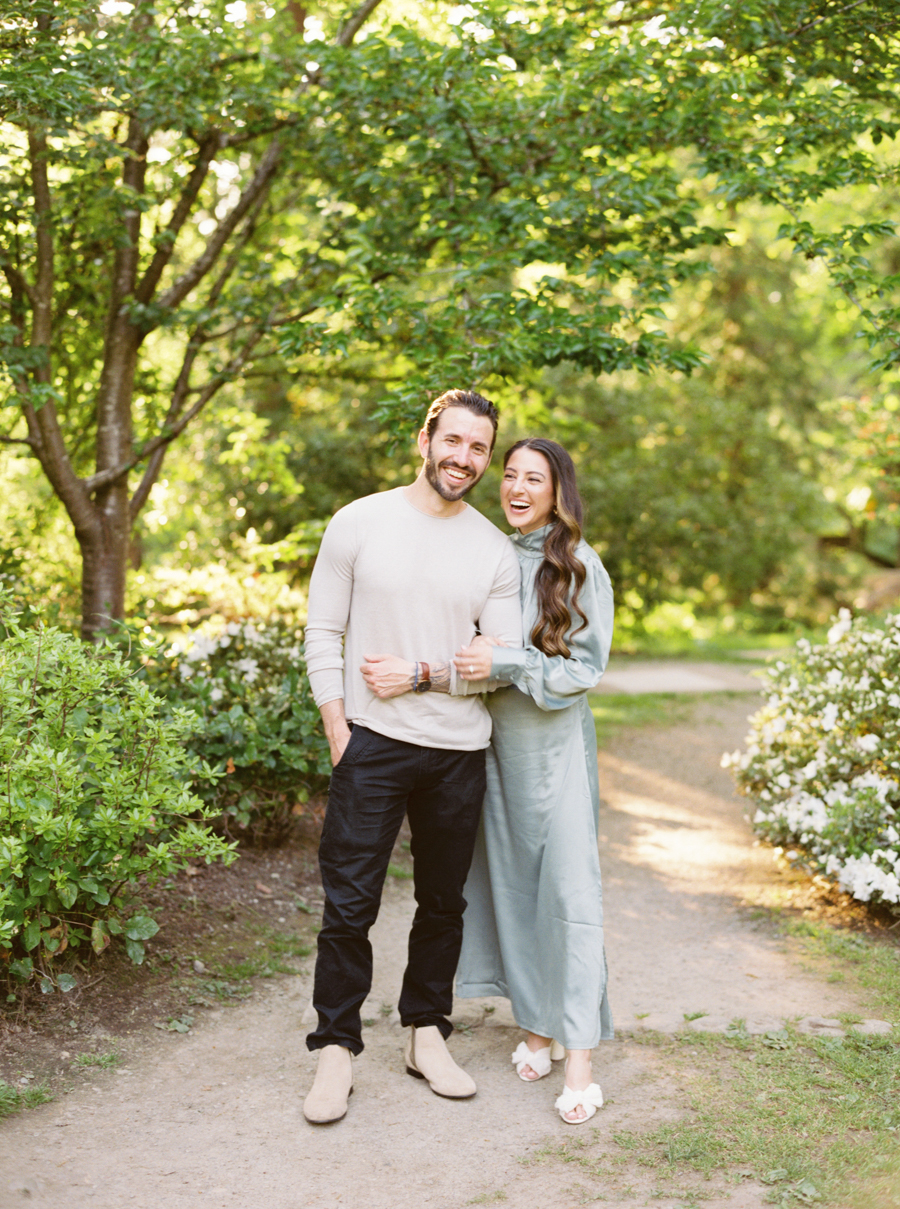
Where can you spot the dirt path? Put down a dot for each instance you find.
(213, 1118)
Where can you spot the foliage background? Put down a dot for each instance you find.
(571, 207)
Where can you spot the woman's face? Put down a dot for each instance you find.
(526, 491)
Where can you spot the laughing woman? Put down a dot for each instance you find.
(533, 928)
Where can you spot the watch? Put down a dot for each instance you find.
(422, 681)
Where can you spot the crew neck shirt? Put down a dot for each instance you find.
(392, 580)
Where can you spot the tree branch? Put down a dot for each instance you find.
(198, 338)
(249, 199)
(43, 425)
(498, 181)
(157, 448)
(350, 28)
(802, 29)
(42, 294)
(18, 283)
(255, 190)
(180, 215)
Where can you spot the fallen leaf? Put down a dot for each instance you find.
(229, 767)
(264, 889)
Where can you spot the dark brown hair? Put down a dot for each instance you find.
(561, 572)
(470, 400)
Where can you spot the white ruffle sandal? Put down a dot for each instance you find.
(538, 1060)
(590, 1099)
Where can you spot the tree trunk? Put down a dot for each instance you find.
(104, 559)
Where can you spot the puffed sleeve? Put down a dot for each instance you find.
(553, 681)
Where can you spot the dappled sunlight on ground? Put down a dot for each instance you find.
(680, 870)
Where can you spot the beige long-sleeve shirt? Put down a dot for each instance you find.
(392, 580)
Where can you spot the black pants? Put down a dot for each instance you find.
(376, 781)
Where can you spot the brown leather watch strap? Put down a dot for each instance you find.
(425, 674)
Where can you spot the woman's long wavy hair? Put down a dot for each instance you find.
(561, 573)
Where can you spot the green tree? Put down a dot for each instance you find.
(189, 188)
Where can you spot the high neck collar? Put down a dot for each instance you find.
(532, 543)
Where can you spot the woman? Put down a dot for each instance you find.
(533, 928)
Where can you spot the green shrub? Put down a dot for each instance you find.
(258, 724)
(823, 758)
(94, 795)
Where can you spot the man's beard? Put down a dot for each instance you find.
(450, 494)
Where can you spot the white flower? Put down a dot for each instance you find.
(249, 667)
(842, 626)
(201, 648)
(867, 743)
(884, 786)
(830, 716)
(216, 695)
(862, 877)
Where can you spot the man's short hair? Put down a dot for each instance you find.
(470, 400)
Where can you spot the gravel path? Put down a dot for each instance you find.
(213, 1118)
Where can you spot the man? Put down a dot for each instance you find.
(413, 571)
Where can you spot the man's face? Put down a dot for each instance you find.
(458, 453)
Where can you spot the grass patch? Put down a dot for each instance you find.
(704, 638)
(616, 711)
(104, 1061)
(811, 1117)
(399, 872)
(209, 991)
(14, 1099)
(274, 948)
(874, 964)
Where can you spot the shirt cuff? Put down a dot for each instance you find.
(326, 685)
(507, 662)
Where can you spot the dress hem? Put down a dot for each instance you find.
(481, 990)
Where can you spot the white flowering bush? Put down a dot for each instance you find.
(823, 758)
(256, 723)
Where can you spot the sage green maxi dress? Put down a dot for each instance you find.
(533, 927)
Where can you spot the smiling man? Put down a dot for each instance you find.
(414, 571)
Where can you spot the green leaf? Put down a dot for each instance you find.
(39, 883)
(22, 969)
(135, 951)
(99, 935)
(141, 927)
(68, 893)
(66, 982)
(31, 934)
